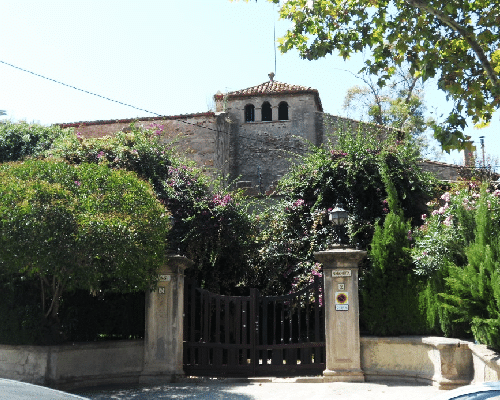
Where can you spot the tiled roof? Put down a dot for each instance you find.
(274, 88)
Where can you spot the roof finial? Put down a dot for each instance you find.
(271, 76)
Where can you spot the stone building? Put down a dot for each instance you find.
(254, 134)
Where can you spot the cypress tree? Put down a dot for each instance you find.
(389, 292)
(474, 290)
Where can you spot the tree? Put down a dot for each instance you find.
(350, 174)
(79, 227)
(399, 104)
(457, 42)
(21, 140)
(210, 225)
(389, 289)
(474, 289)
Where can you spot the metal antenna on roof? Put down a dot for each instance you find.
(274, 40)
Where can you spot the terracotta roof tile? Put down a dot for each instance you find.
(271, 87)
(274, 88)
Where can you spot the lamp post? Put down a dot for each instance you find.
(340, 274)
(338, 217)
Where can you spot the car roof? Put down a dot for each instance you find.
(15, 390)
(469, 389)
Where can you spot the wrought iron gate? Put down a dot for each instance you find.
(254, 335)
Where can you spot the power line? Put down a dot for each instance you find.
(81, 90)
(136, 108)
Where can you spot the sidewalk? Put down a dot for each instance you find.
(286, 389)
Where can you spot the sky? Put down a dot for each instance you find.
(168, 57)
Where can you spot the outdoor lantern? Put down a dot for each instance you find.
(338, 217)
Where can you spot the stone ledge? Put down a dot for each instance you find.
(442, 362)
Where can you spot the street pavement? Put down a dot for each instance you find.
(265, 390)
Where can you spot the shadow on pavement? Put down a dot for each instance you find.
(198, 391)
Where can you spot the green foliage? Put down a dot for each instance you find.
(21, 140)
(474, 289)
(85, 227)
(211, 225)
(389, 290)
(442, 254)
(348, 173)
(20, 309)
(139, 150)
(399, 104)
(213, 228)
(458, 42)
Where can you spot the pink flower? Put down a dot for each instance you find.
(448, 221)
(298, 203)
(423, 216)
(77, 183)
(446, 197)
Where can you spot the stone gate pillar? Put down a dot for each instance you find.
(343, 354)
(163, 353)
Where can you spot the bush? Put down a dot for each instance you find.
(211, 225)
(455, 251)
(348, 173)
(85, 227)
(389, 289)
(21, 140)
(474, 289)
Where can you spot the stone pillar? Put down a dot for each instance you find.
(163, 352)
(343, 354)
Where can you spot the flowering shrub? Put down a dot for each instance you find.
(450, 227)
(451, 252)
(210, 226)
(349, 173)
(21, 140)
(86, 227)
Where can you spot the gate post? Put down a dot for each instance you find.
(163, 351)
(343, 354)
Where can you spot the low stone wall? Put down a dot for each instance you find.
(77, 365)
(486, 363)
(445, 363)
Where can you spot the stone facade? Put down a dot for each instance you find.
(255, 133)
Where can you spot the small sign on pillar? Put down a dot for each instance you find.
(341, 301)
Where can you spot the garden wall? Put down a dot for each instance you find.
(442, 362)
(445, 363)
(76, 365)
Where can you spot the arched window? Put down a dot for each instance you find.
(283, 111)
(249, 113)
(267, 112)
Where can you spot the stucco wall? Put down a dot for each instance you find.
(66, 366)
(194, 134)
(443, 171)
(442, 362)
(446, 363)
(486, 363)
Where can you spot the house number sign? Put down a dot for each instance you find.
(164, 278)
(341, 272)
